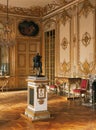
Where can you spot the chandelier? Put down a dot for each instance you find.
(7, 35)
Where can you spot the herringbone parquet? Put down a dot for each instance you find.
(67, 114)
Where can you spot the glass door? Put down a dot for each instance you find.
(50, 55)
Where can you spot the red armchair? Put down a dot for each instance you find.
(82, 89)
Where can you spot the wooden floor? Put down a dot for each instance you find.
(66, 114)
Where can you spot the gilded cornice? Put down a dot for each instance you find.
(32, 11)
(49, 24)
(51, 7)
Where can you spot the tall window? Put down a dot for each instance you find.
(50, 55)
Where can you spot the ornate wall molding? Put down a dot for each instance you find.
(54, 5)
(64, 17)
(87, 7)
(64, 43)
(86, 67)
(49, 24)
(65, 67)
(33, 11)
(86, 38)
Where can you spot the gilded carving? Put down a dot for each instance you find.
(41, 101)
(32, 11)
(41, 92)
(65, 67)
(49, 24)
(64, 17)
(86, 39)
(86, 67)
(54, 5)
(64, 43)
(87, 7)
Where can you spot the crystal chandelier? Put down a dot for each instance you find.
(7, 35)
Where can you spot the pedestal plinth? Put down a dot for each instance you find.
(37, 98)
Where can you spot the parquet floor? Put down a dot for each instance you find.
(66, 114)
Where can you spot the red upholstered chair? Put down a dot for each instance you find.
(53, 88)
(82, 89)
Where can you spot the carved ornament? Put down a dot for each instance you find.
(54, 5)
(86, 67)
(86, 39)
(41, 101)
(87, 7)
(64, 17)
(32, 11)
(64, 43)
(65, 67)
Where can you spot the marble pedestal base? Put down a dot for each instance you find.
(37, 98)
(39, 115)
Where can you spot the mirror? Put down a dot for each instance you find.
(4, 60)
(4, 54)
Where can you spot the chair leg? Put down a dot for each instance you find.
(80, 97)
(73, 96)
(2, 88)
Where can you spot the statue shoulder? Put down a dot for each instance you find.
(33, 58)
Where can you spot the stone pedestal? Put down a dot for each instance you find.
(37, 98)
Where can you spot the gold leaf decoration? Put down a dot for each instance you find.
(64, 43)
(32, 11)
(41, 101)
(86, 67)
(65, 67)
(54, 5)
(86, 39)
(64, 17)
(87, 7)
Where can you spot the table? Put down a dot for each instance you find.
(3, 82)
(69, 81)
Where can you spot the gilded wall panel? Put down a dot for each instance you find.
(86, 35)
(22, 47)
(32, 47)
(21, 60)
(21, 71)
(65, 51)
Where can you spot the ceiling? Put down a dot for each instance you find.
(30, 3)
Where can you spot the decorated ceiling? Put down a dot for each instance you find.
(32, 7)
(31, 3)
